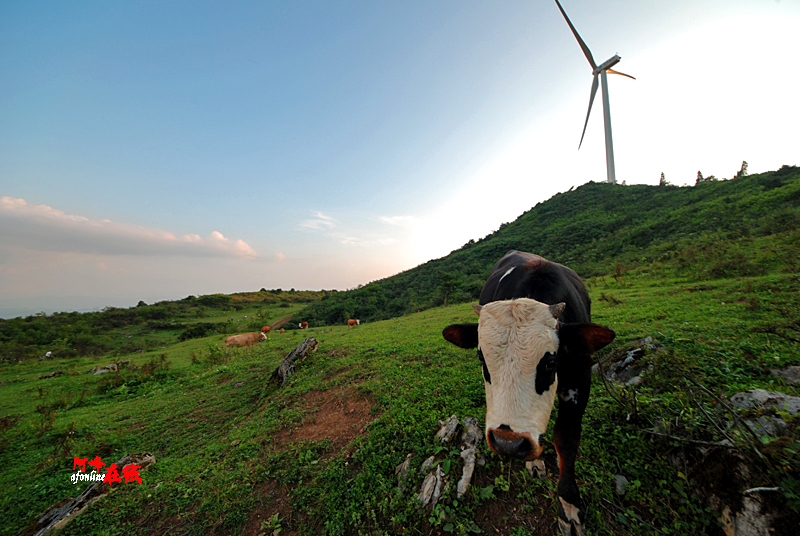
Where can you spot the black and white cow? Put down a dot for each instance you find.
(535, 339)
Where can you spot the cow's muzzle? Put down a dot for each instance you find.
(505, 442)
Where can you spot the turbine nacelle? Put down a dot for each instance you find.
(606, 65)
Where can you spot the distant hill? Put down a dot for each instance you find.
(135, 329)
(743, 226)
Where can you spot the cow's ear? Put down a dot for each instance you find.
(462, 335)
(584, 338)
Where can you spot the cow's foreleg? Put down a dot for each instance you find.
(567, 436)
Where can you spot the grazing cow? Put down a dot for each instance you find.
(266, 329)
(303, 325)
(535, 339)
(245, 339)
(282, 330)
(353, 322)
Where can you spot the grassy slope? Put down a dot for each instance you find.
(220, 460)
(715, 229)
(705, 270)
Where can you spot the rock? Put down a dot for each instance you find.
(630, 368)
(790, 374)
(113, 367)
(52, 374)
(431, 489)
(402, 473)
(622, 484)
(469, 439)
(756, 398)
(472, 434)
(749, 521)
(635, 381)
(768, 425)
(448, 429)
(468, 456)
(427, 465)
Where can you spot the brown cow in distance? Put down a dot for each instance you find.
(266, 329)
(353, 322)
(303, 325)
(245, 339)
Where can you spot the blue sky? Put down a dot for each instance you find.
(153, 150)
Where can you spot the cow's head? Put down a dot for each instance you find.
(518, 345)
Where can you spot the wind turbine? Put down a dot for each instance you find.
(600, 70)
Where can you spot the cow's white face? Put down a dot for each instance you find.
(518, 342)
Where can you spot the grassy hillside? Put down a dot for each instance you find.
(709, 273)
(237, 454)
(745, 226)
(117, 331)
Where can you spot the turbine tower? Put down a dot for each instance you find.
(599, 70)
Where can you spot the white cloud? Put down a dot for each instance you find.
(319, 222)
(43, 228)
(353, 234)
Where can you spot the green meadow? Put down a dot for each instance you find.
(237, 453)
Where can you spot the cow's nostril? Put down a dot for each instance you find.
(513, 447)
(522, 447)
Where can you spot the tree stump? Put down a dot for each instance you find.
(286, 367)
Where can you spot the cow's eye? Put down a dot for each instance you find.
(545, 372)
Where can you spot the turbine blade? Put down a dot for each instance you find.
(591, 100)
(586, 51)
(612, 71)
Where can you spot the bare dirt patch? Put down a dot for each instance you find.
(273, 499)
(339, 415)
(509, 511)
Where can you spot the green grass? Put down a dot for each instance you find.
(219, 459)
(710, 273)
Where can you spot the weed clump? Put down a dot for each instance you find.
(213, 355)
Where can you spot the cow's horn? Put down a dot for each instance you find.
(557, 309)
(477, 308)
